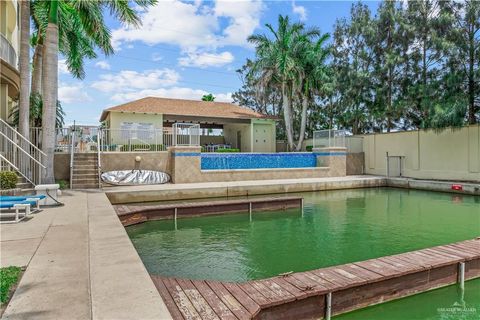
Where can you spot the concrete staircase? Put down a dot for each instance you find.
(85, 171)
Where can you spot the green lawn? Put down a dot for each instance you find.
(8, 277)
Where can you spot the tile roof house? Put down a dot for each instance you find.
(242, 128)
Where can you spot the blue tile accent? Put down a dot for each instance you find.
(228, 161)
(186, 154)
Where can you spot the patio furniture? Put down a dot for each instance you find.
(16, 206)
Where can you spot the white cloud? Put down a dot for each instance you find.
(193, 25)
(103, 65)
(173, 92)
(205, 59)
(300, 10)
(62, 66)
(72, 93)
(128, 80)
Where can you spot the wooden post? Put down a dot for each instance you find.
(461, 274)
(175, 218)
(328, 306)
(250, 210)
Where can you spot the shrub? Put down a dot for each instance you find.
(228, 150)
(8, 278)
(63, 184)
(309, 148)
(8, 180)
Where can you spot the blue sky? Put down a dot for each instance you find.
(182, 50)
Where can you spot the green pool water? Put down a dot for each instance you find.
(336, 227)
(448, 303)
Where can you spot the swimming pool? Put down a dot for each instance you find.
(229, 161)
(336, 227)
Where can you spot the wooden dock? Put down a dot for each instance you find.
(323, 292)
(133, 214)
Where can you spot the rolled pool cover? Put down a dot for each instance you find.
(135, 177)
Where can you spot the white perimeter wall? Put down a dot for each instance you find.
(448, 155)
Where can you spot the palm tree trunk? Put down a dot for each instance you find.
(50, 92)
(37, 67)
(303, 123)
(287, 115)
(24, 65)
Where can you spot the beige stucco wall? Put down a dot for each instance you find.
(448, 155)
(158, 161)
(355, 163)
(263, 135)
(61, 166)
(230, 134)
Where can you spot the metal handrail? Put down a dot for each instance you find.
(72, 152)
(9, 163)
(16, 133)
(21, 149)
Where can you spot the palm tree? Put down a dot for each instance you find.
(88, 17)
(208, 97)
(278, 61)
(313, 72)
(24, 66)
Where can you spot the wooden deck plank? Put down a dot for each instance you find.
(406, 267)
(446, 254)
(183, 303)
(299, 294)
(467, 248)
(235, 306)
(312, 285)
(379, 267)
(282, 294)
(363, 273)
(455, 251)
(333, 277)
(214, 301)
(200, 304)
(255, 295)
(408, 261)
(327, 285)
(437, 258)
(242, 297)
(167, 298)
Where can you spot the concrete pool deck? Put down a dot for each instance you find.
(80, 265)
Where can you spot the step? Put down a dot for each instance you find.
(85, 162)
(24, 185)
(85, 176)
(85, 181)
(84, 170)
(85, 186)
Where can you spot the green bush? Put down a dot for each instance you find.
(227, 150)
(8, 278)
(309, 148)
(152, 147)
(63, 184)
(8, 180)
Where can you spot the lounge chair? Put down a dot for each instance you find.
(34, 200)
(17, 206)
(22, 198)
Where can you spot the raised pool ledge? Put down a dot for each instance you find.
(320, 293)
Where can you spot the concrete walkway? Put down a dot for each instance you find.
(80, 265)
(180, 191)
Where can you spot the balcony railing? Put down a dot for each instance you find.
(7, 52)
